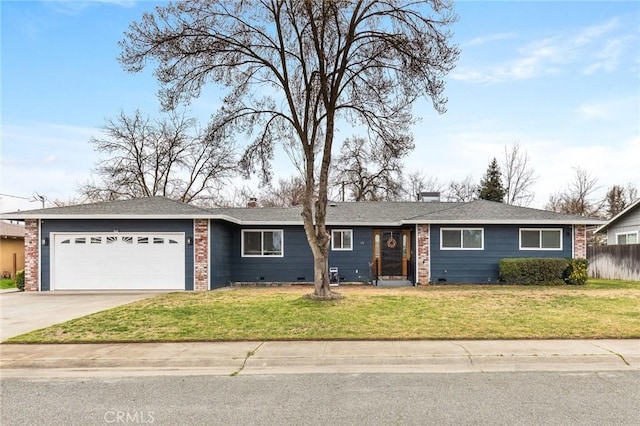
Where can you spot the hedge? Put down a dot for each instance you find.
(533, 270)
(20, 280)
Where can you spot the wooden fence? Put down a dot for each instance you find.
(620, 262)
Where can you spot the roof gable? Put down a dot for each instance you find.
(624, 213)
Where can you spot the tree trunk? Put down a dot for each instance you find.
(322, 289)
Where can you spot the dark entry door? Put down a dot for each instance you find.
(391, 253)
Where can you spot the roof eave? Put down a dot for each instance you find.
(508, 222)
(17, 216)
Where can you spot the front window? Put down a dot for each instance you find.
(627, 238)
(259, 243)
(540, 239)
(462, 238)
(342, 239)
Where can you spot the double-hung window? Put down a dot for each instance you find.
(540, 239)
(341, 239)
(462, 238)
(262, 243)
(627, 238)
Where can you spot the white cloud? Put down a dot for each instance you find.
(489, 39)
(50, 159)
(552, 55)
(74, 7)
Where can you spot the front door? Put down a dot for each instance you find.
(391, 251)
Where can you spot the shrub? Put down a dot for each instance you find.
(533, 270)
(20, 280)
(577, 272)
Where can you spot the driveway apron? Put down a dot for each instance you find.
(23, 312)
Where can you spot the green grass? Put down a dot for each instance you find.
(7, 283)
(601, 309)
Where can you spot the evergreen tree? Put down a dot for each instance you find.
(491, 187)
(616, 200)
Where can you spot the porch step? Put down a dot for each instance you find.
(393, 283)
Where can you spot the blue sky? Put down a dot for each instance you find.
(560, 78)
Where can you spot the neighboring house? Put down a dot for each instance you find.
(11, 249)
(157, 243)
(624, 228)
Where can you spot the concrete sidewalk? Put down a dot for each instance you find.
(232, 358)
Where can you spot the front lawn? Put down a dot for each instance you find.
(7, 283)
(601, 309)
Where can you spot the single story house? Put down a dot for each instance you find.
(11, 249)
(624, 228)
(157, 243)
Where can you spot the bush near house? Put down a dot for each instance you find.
(533, 270)
(20, 280)
(577, 272)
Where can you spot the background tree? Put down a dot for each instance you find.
(518, 176)
(619, 198)
(418, 181)
(615, 200)
(462, 191)
(577, 198)
(491, 187)
(293, 70)
(288, 192)
(369, 170)
(168, 157)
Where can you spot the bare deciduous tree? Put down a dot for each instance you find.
(286, 193)
(294, 69)
(518, 176)
(577, 197)
(369, 170)
(462, 191)
(167, 157)
(418, 181)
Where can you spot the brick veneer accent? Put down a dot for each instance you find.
(201, 254)
(31, 255)
(423, 255)
(580, 241)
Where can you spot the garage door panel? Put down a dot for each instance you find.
(118, 262)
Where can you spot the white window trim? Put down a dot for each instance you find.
(262, 231)
(560, 230)
(341, 231)
(462, 239)
(636, 233)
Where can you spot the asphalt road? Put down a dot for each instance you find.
(528, 398)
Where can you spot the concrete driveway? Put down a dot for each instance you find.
(23, 312)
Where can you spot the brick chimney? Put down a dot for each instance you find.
(253, 203)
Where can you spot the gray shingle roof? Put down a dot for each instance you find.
(398, 213)
(11, 230)
(144, 207)
(350, 213)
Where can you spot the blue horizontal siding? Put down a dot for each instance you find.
(104, 225)
(481, 266)
(353, 265)
(220, 254)
(297, 263)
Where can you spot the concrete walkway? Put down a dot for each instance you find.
(318, 357)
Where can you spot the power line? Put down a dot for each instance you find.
(15, 196)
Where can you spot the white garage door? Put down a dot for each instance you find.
(118, 262)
